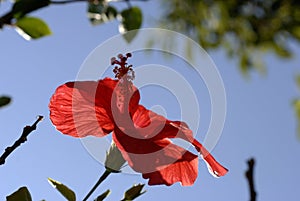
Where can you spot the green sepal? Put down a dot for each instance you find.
(63, 189)
(22, 194)
(102, 196)
(134, 192)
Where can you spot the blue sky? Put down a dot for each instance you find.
(260, 121)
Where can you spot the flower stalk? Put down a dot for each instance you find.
(113, 164)
(101, 179)
(114, 159)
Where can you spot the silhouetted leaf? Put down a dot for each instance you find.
(111, 12)
(22, 194)
(23, 7)
(103, 196)
(134, 192)
(64, 190)
(97, 7)
(31, 27)
(131, 20)
(4, 100)
(101, 12)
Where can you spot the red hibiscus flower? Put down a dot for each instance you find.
(98, 108)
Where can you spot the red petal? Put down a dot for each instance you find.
(159, 161)
(184, 170)
(149, 125)
(124, 102)
(74, 110)
(215, 168)
(177, 129)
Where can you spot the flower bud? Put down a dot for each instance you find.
(114, 159)
(134, 192)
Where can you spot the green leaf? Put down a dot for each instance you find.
(111, 12)
(22, 194)
(296, 104)
(297, 108)
(296, 32)
(134, 192)
(4, 100)
(131, 20)
(101, 12)
(245, 64)
(103, 196)
(64, 190)
(282, 51)
(298, 81)
(31, 27)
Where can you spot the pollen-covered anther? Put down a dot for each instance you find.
(122, 70)
(113, 60)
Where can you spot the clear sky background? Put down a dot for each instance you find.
(260, 120)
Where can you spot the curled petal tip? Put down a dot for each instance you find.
(215, 168)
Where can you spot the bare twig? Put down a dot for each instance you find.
(249, 175)
(67, 1)
(7, 19)
(26, 131)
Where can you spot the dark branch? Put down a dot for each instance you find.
(23, 138)
(20, 9)
(74, 1)
(249, 175)
(6, 19)
(67, 1)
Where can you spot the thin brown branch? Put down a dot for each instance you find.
(23, 138)
(74, 1)
(6, 19)
(21, 9)
(67, 1)
(249, 175)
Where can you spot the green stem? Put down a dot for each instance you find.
(101, 179)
